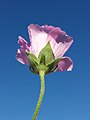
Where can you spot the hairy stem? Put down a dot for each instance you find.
(41, 73)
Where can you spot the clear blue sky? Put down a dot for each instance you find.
(67, 95)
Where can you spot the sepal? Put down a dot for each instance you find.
(53, 66)
(33, 62)
(46, 55)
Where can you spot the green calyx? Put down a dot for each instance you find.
(45, 62)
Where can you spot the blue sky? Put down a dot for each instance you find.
(67, 95)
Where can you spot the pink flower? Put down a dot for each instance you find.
(39, 37)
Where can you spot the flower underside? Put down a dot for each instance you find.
(45, 61)
(48, 45)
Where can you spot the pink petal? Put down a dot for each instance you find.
(21, 56)
(60, 42)
(47, 28)
(65, 64)
(38, 38)
(61, 48)
(23, 43)
(57, 34)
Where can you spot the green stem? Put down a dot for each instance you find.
(41, 73)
